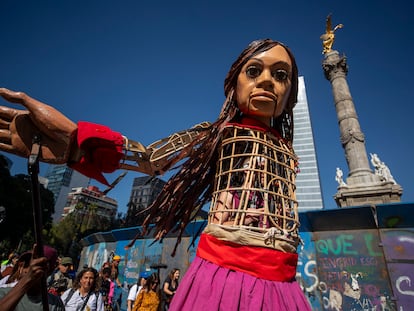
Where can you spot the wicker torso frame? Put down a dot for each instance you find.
(255, 185)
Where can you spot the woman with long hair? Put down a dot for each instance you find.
(240, 264)
(170, 287)
(148, 298)
(84, 295)
(135, 289)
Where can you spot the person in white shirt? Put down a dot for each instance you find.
(84, 295)
(135, 289)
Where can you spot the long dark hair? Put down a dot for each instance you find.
(171, 274)
(187, 191)
(153, 279)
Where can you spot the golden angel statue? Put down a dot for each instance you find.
(329, 36)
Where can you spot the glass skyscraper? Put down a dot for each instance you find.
(308, 191)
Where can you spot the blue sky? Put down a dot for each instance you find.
(149, 68)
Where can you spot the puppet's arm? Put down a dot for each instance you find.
(161, 155)
(91, 149)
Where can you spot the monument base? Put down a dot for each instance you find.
(374, 194)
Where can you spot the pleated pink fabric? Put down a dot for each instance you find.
(208, 287)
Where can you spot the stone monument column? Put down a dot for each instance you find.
(362, 185)
(352, 138)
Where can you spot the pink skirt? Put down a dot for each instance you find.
(207, 286)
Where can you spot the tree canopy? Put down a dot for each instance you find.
(17, 225)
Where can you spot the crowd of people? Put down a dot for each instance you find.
(89, 289)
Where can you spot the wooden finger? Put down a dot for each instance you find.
(5, 136)
(4, 124)
(8, 114)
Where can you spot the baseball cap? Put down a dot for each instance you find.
(144, 275)
(66, 261)
(116, 257)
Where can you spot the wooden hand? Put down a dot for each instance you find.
(18, 128)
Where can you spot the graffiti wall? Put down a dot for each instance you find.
(399, 254)
(351, 259)
(351, 269)
(307, 272)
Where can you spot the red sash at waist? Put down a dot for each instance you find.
(261, 262)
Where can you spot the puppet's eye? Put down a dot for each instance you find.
(253, 72)
(280, 75)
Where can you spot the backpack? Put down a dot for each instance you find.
(58, 284)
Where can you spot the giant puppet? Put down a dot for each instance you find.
(243, 163)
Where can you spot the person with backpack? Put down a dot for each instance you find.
(84, 295)
(60, 281)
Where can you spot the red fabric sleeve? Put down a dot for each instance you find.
(101, 150)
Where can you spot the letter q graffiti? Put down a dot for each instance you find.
(322, 247)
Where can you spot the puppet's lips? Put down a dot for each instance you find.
(264, 95)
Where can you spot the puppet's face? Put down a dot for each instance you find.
(264, 83)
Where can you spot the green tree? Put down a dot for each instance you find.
(84, 220)
(17, 228)
(64, 234)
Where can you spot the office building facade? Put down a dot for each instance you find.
(61, 180)
(83, 199)
(308, 187)
(144, 191)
